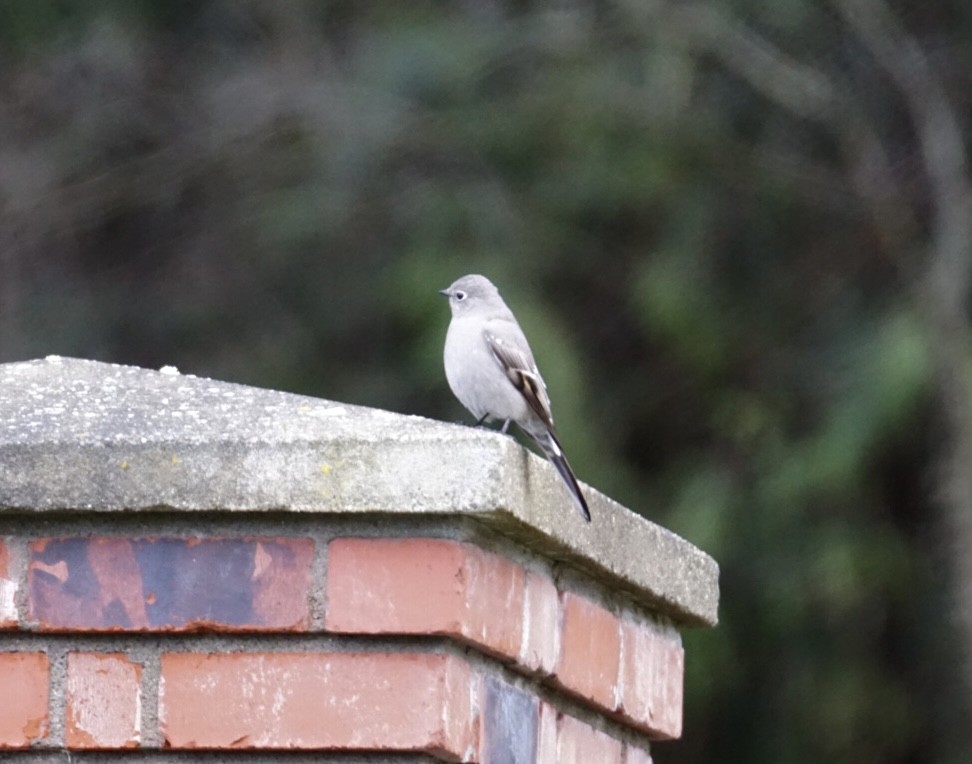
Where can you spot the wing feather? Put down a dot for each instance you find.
(521, 370)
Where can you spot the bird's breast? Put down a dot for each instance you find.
(476, 378)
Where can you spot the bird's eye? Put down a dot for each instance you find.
(460, 296)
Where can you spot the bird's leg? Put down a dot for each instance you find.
(505, 426)
(482, 419)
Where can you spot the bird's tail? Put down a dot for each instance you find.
(551, 448)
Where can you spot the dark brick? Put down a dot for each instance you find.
(509, 725)
(163, 584)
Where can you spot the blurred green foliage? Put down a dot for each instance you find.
(272, 193)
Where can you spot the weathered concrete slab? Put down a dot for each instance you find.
(83, 435)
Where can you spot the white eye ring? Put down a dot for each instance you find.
(460, 296)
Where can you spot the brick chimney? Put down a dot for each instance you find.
(195, 565)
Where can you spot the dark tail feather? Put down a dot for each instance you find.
(568, 475)
(556, 456)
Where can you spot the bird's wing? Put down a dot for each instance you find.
(511, 351)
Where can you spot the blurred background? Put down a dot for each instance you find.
(737, 233)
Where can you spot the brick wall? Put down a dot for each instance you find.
(323, 640)
(188, 566)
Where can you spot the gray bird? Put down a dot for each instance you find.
(491, 371)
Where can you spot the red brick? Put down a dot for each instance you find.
(590, 651)
(8, 588)
(633, 755)
(579, 743)
(23, 714)
(541, 625)
(563, 739)
(103, 701)
(330, 701)
(547, 735)
(425, 586)
(651, 677)
(110, 583)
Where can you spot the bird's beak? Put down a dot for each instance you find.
(444, 292)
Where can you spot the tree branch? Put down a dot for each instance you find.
(807, 93)
(949, 271)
